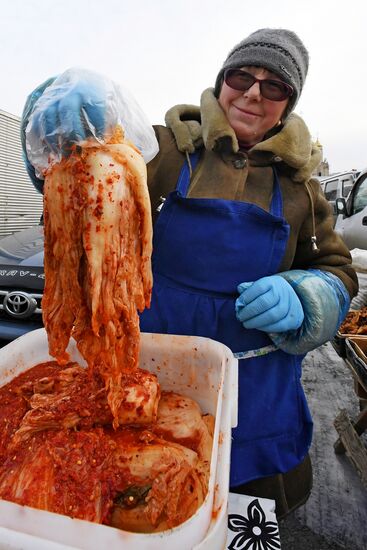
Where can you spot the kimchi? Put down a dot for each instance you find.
(101, 443)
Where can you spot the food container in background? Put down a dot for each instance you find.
(200, 368)
(338, 342)
(356, 354)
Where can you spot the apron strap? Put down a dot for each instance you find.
(255, 352)
(183, 182)
(276, 207)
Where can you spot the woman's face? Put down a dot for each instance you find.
(250, 114)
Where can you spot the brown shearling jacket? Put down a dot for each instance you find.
(226, 172)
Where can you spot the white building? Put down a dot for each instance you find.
(322, 169)
(20, 203)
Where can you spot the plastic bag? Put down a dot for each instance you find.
(325, 302)
(359, 260)
(360, 300)
(120, 108)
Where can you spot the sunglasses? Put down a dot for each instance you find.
(275, 90)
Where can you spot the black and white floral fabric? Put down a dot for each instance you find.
(252, 524)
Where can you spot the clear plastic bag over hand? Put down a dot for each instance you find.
(81, 104)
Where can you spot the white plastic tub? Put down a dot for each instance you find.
(198, 367)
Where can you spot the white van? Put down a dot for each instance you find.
(351, 222)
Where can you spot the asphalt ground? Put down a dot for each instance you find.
(295, 536)
(335, 515)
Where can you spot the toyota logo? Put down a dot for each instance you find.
(19, 304)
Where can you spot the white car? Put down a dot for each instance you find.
(338, 185)
(351, 222)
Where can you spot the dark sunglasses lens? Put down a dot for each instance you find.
(238, 80)
(274, 90)
(270, 89)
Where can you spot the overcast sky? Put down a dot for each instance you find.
(169, 51)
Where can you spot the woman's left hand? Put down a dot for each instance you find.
(269, 304)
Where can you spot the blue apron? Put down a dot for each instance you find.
(202, 249)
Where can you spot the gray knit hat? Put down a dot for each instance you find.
(278, 50)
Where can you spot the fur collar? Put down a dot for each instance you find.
(207, 125)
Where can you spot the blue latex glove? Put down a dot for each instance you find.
(269, 304)
(77, 114)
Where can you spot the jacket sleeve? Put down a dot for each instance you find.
(324, 280)
(27, 111)
(333, 255)
(325, 301)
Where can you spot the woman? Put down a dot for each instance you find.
(244, 249)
